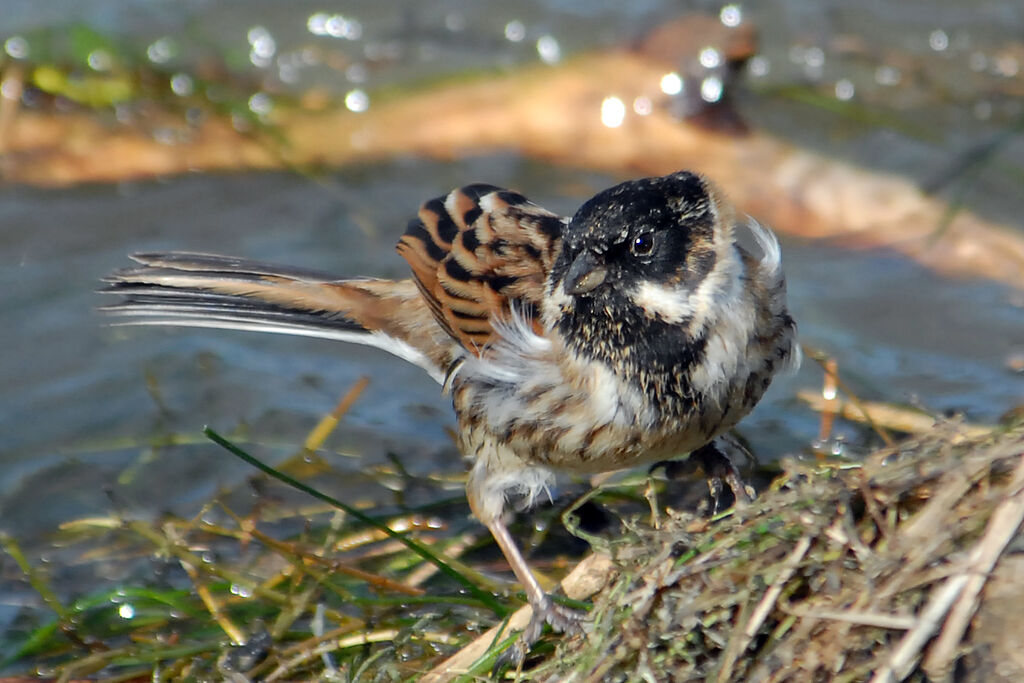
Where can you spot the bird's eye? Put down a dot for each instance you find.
(643, 245)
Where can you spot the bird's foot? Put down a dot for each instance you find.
(560, 619)
(719, 468)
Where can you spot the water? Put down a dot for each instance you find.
(80, 402)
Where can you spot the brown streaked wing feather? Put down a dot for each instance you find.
(475, 252)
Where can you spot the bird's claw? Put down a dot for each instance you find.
(560, 619)
(720, 471)
(720, 468)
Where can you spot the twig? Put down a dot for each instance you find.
(829, 393)
(1002, 527)
(764, 607)
(323, 429)
(832, 405)
(878, 619)
(589, 576)
(884, 415)
(286, 668)
(771, 596)
(229, 627)
(957, 598)
(899, 664)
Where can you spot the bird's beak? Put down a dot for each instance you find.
(584, 274)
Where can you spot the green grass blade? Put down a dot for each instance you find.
(423, 551)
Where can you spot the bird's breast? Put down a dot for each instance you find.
(568, 413)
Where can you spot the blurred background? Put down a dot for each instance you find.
(95, 420)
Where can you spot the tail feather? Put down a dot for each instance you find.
(227, 265)
(205, 290)
(181, 288)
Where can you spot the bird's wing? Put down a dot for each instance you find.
(477, 253)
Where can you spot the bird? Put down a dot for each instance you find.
(637, 330)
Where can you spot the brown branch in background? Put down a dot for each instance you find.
(829, 404)
(884, 415)
(11, 86)
(327, 425)
(306, 462)
(829, 395)
(552, 114)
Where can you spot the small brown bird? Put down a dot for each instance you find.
(635, 331)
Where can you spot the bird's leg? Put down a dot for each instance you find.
(488, 506)
(545, 610)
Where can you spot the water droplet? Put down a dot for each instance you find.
(887, 75)
(731, 15)
(99, 60)
(126, 611)
(241, 591)
(340, 26)
(938, 40)
(261, 104)
(11, 89)
(357, 100)
(711, 89)
(759, 66)
(643, 105)
(317, 23)
(814, 57)
(613, 112)
(16, 47)
(549, 50)
(262, 43)
(515, 31)
(259, 61)
(844, 89)
(161, 50)
(672, 83)
(710, 58)
(182, 85)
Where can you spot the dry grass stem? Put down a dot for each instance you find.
(832, 574)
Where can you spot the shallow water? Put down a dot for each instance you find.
(80, 401)
(898, 331)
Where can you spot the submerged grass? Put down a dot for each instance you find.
(245, 601)
(900, 566)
